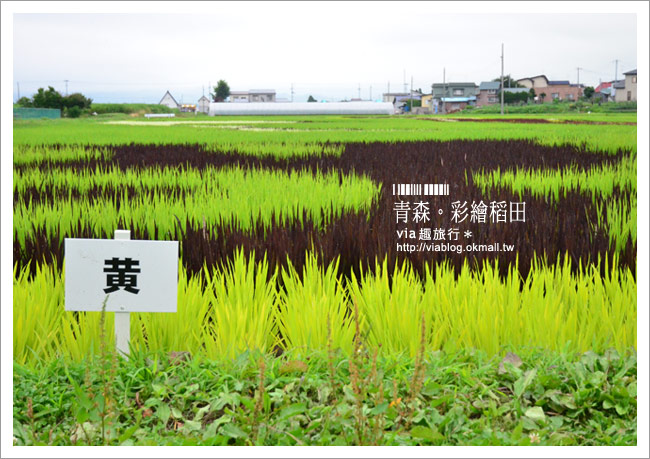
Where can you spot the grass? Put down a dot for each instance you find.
(553, 398)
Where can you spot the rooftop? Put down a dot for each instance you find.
(487, 85)
(440, 85)
(631, 72)
(533, 77)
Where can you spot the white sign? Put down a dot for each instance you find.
(137, 276)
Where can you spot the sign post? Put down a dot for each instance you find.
(122, 319)
(126, 275)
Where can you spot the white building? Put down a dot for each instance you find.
(169, 101)
(203, 105)
(253, 95)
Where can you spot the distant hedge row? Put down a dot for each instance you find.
(101, 109)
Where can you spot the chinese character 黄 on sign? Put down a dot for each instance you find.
(137, 276)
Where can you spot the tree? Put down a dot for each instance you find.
(73, 112)
(48, 99)
(25, 102)
(589, 92)
(542, 96)
(221, 91)
(311, 99)
(508, 82)
(515, 97)
(77, 100)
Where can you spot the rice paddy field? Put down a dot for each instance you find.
(306, 313)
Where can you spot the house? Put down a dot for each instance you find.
(603, 85)
(399, 99)
(253, 95)
(618, 88)
(203, 105)
(605, 91)
(626, 92)
(427, 101)
(539, 81)
(169, 101)
(451, 97)
(552, 89)
(488, 93)
(188, 108)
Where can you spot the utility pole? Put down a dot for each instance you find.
(18, 88)
(579, 75)
(359, 92)
(291, 92)
(411, 93)
(66, 87)
(389, 87)
(404, 80)
(502, 78)
(615, 70)
(371, 93)
(444, 90)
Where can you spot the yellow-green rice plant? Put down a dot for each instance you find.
(552, 308)
(180, 331)
(37, 313)
(243, 298)
(390, 314)
(43, 330)
(307, 304)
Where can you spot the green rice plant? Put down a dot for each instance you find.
(308, 303)
(599, 181)
(621, 220)
(37, 154)
(297, 134)
(242, 300)
(227, 196)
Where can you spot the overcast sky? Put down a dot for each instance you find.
(326, 50)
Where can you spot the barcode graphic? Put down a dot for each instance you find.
(417, 189)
